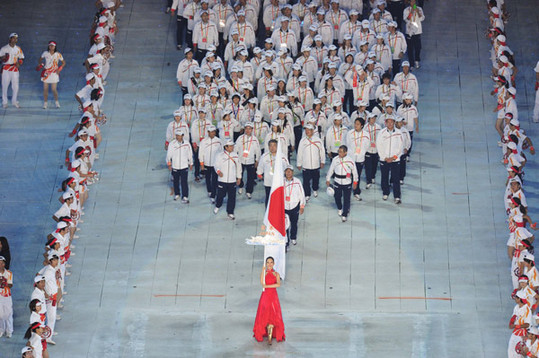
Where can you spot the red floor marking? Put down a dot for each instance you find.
(416, 298)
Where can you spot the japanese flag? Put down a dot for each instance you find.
(274, 219)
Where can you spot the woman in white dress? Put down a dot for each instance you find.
(50, 63)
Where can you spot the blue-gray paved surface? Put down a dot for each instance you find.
(146, 267)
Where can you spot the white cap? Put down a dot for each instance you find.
(39, 278)
(13, 34)
(61, 225)
(179, 132)
(75, 164)
(512, 145)
(229, 142)
(313, 27)
(405, 63)
(89, 76)
(289, 167)
(407, 95)
(302, 79)
(249, 124)
(533, 330)
(26, 350)
(82, 132)
(309, 126)
(512, 90)
(514, 122)
(529, 257)
(257, 50)
(187, 96)
(275, 123)
(521, 295)
(52, 255)
(187, 49)
(211, 128)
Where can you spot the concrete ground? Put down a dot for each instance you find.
(153, 277)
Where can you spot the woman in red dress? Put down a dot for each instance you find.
(269, 320)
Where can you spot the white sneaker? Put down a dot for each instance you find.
(307, 198)
(50, 341)
(372, 181)
(69, 265)
(231, 216)
(68, 273)
(209, 195)
(73, 254)
(249, 195)
(344, 218)
(60, 306)
(185, 200)
(58, 317)
(1, 334)
(407, 159)
(212, 200)
(73, 247)
(417, 65)
(339, 212)
(398, 201)
(215, 210)
(17, 105)
(45, 105)
(358, 198)
(294, 242)
(4, 106)
(55, 333)
(96, 156)
(9, 334)
(315, 194)
(240, 191)
(176, 197)
(57, 104)
(384, 197)
(401, 182)
(368, 186)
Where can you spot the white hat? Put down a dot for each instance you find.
(187, 49)
(13, 34)
(405, 63)
(354, 12)
(515, 122)
(89, 76)
(241, 13)
(281, 98)
(512, 90)
(317, 101)
(75, 164)
(82, 132)
(234, 32)
(179, 132)
(275, 123)
(26, 350)
(2, 258)
(309, 126)
(390, 104)
(365, 23)
(302, 79)
(211, 128)
(512, 145)
(529, 257)
(229, 142)
(202, 109)
(177, 113)
(337, 117)
(349, 37)
(376, 11)
(285, 18)
(521, 295)
(281, 110)
(407, 95)
(258, 117)
(363, 104)
(533, 330)
(248, 124)
(289, 167)
(257, 50)
(53, 255)
(336, 103)
(321, 11)
(313, 27)
(332, 64)
(187, 96)
(330, 191)
(253, 100)
(501, 38)
(39, 278)
(87, 103)
(268, 40)
(233, 69)
(268, 53)
(61, 225)
(392, 24)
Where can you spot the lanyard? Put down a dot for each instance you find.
(201, 133)
(291, 186)
(202, 30)
(250, 143)
(335, 133)
(372, 133)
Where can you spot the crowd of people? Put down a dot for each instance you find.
(328, 80)
(524, 321)
(49, 283)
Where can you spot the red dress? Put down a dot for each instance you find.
(269, 312)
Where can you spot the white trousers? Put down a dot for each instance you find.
(7, 78)
(6, 315)
(536, 108)
(51, 316)
(511, 353)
